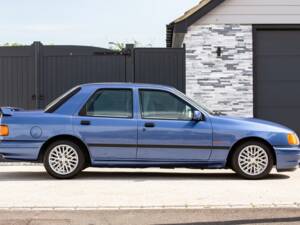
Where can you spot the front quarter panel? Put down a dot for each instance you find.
(228, 131)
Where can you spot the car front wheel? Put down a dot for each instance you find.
(253, 160)
(64, 159)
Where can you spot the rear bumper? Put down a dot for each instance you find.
(288, 158)
(20, 150)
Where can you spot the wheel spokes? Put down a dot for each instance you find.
(63, 159)
(253, 160)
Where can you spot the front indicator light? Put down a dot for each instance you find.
(4, 131)
(293, 139)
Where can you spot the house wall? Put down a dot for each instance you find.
(254, 12)
(221, 83)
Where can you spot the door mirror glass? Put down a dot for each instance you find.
(197, 116)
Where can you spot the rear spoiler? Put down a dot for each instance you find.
(9, 111)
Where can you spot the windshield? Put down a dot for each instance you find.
(56, 103)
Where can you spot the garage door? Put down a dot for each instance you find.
(277, 76)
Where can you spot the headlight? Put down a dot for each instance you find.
(293, 139)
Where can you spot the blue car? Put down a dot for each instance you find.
(139, 126)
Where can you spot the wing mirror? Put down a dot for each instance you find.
(197, 116)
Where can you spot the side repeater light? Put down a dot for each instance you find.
(4, 130)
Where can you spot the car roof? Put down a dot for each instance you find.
(125, 85)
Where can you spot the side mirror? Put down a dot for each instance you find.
(197, 116)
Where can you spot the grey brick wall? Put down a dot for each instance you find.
(222, 83)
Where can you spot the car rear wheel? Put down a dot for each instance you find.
(64, 159)
(253, 160)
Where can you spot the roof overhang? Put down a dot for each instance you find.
(181, 24)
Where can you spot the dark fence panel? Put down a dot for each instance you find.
(17, 77)
(32, 76)
(63, 67)
(160, 66)
(61, 73)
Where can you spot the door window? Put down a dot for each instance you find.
(110, 103)
(164, 105)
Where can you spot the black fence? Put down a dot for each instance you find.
(32, 76)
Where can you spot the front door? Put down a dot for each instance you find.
(166, 131)
(107, 125)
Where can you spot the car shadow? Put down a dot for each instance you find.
(284, 220)
(135, 176)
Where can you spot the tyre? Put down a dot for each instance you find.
(252, 160)
(64, 159)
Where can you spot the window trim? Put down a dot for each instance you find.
(81, 111)
(159, 90)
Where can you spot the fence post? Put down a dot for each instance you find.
(184, 69)
(37, 54)
(129, 63)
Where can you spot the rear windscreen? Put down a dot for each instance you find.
(54, 105)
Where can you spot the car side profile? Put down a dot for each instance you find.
(142, 125)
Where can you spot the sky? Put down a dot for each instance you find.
(89, 22)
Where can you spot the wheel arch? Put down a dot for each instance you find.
(72, 138)
(244, 140)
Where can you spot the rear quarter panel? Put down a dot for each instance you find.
(28, 131)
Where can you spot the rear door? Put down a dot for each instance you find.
(107, 125)
(166, 131)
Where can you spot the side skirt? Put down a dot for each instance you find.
(160, 164)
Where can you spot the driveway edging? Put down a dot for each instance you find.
(229, 206)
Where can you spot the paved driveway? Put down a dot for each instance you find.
(154, 217)
(31, 187)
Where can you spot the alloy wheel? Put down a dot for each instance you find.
(253, 160)
(63, 159)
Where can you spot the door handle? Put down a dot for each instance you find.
(85, 122)
(149, 124)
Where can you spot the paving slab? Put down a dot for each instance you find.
(31, 187)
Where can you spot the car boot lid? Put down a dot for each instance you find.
(9, 111)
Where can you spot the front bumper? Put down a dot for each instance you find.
(288, 158)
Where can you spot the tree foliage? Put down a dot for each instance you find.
(120, 46)
(12, 44)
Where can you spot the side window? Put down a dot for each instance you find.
(110, 103)
(164, 105)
